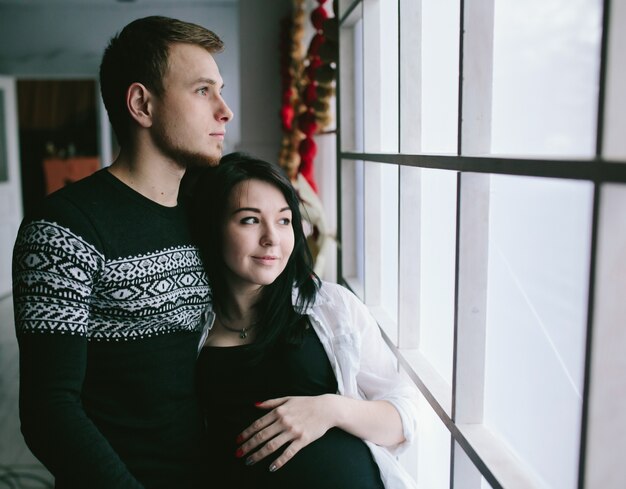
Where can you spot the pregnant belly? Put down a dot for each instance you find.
(337, 460)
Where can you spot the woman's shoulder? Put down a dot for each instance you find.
(331, 294)
(342, 310)
(331, 290)
(331, 298)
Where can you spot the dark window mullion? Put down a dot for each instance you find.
(593, 170)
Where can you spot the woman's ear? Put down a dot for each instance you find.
(139, 104)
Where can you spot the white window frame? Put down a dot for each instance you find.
(478, 457)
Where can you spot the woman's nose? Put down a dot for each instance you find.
(270, 236)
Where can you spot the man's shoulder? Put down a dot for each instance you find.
(67, 199)
(66, 213)
(82, 191)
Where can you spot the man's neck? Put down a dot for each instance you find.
(156, 180)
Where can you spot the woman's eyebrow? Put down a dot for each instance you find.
(246, 209)
(254, 209)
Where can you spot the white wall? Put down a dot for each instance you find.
(259, 25)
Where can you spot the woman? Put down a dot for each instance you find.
(297, 385)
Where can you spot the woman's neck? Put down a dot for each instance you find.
(236, 321)
(239, 308)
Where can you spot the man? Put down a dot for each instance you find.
(108, 289)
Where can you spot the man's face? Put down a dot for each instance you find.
(189, 122)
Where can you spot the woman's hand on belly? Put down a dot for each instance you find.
(293, 422)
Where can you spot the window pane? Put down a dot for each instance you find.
(352, 231)
(381, 244)
(380, 75)
(438, 251)
(351, 84)
(410, 76)
(409, 278)
(433, 448)
(545, 77)
(388, 254)
(440, 76)
(536, 319)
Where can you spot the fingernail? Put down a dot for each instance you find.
(239, 439)
(272, 468)
(239, 453)
(257, 404)
(249, 461)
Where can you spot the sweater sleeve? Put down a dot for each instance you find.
(53, 275)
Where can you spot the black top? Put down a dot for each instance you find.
(229, 385)
(108, 293)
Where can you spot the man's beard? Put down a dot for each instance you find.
(193, 160)
(187, 159)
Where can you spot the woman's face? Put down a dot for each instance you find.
(257, 235)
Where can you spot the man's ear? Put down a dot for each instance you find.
(139, 104)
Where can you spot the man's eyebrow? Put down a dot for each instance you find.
(209, 81)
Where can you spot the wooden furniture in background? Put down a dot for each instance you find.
(59, 172)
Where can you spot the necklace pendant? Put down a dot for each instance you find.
(243, 335)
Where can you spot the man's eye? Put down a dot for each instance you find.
(203, 91)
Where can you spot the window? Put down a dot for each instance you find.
(482, 221)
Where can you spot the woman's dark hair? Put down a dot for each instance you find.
(278, 318)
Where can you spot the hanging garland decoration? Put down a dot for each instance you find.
(291, 57)
(307, 82)
(308, 86)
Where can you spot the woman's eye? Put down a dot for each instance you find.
(249, 220)
(285, 220)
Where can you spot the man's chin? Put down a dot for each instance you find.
(198, 160)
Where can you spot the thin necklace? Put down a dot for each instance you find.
(243, 332)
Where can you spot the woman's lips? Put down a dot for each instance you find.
(265, 259)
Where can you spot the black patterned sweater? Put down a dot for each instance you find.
(108, 294)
